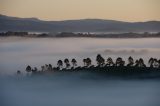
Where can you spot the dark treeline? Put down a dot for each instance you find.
(22, 34)
(110, 35)
(10, 33)
(66, 64)
(71, 34)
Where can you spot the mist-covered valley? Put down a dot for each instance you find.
(61, 89)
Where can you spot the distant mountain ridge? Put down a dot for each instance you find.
(83, 25)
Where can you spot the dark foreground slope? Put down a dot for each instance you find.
(76, 90)
(109, 72)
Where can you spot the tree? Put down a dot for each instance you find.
(137, 63)
(88, 62)
(156, 63)
(100, 60)
(110, 62)
(60, 64)
(120, 62)
(151, 61)
(130, 61)
(50, 67)
(28, 69)
(42, 68)
(66, 61)
(74, 62)
(141, 63)
(34, 70)
(84, 62)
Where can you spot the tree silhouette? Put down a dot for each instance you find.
(141, 63)
(34, 70)
(28, 69)
(109, 62)
(74, 62)
(155, 63)
(88, 62)
(137, 63)
(60, 64)
(130, 61)
(42, 68)
(84, 62)
(151, 61)
(50, 67)
(120, 62)
(100, 60)
(66, 61)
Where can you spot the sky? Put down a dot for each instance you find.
(122, 10)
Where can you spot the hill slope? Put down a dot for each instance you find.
(84, 25)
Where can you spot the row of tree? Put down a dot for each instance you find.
(153, 62)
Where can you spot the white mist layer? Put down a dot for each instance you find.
(17, 53)
(74, 89)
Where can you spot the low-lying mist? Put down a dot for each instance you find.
(74, 89)
(16, 53)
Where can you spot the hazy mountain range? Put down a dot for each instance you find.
(84, 25)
